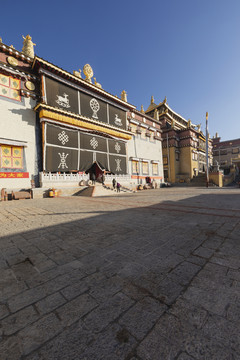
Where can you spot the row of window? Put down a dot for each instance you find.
(11, 157)
(177, 157)
(225, 152)
(143, 132)
(9, 87)
(144, 168)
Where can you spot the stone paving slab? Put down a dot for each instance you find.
(145, 276)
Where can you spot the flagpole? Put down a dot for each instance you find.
(207, 175)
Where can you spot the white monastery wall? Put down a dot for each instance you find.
(17, 123)
(145, 150)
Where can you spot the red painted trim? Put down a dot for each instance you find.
(14, 175)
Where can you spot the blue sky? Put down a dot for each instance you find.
(187, 50)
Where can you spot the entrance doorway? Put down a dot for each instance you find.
(95, 172)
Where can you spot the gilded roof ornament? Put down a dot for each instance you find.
(124, 96)
(199, 127)
(142, 110)
(28, 46)
(189, 123)
(77, 73)
(156, 114)
(0, 39)
(152, 104)
(88, 72)
(165, 100)
(97, 83)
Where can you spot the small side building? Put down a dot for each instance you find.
(18, 137)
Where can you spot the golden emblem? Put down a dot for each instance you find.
(88, 72)
(30, 85)
(12, 61)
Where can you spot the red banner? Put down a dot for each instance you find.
(13, 175)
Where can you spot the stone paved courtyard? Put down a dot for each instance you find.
(148, 276)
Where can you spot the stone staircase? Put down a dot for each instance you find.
(103, 190)
(199, 181)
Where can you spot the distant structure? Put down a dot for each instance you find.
(184, 144)
(226, 153)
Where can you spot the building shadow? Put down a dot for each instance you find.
(115, 271)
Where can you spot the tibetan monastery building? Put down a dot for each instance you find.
(66, 130)
(184, 144)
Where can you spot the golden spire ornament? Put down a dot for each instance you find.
(124, 96)
(28, 45)
(142, 110)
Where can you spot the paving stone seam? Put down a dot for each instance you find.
(41, 298)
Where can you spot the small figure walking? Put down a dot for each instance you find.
(118, 187)
(114, 184)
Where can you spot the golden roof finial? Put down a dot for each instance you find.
(142, 109)
(165, 100)
(189, 123)
(97, 83)
(88, 72)
(77, 73)
(0, 39)
(124, 96)
(152, 99)
(28, 45)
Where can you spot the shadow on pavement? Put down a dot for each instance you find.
(152, 281)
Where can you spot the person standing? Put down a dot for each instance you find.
(114, 183)
(118, 187)
(103, 179)
(93, 178)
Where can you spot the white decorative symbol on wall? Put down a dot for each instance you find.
(94, 105)
(63, 137)
(63, 158)
(94, 143)
(117, 147)
(117, 120)
(118, 164)
(63, 100)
